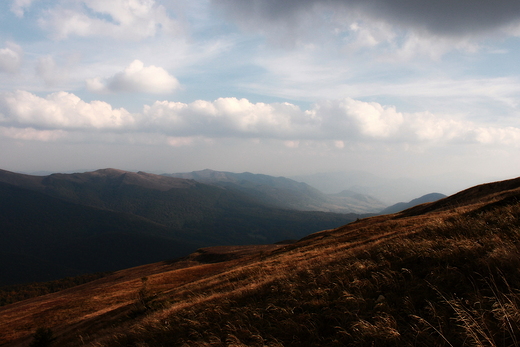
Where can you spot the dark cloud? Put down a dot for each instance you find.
(441, 17)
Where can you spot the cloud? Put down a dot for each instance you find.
(18, 7)
(47, 69)
(341, 121)
(10, 58)
(121, 19)
(31, 134)
(136, 78)
(491, 135)
(394, 30)
(59, 111)
(292, 144)
(338, 122)
(444, 18)
(227, 117)
(180, 141)
(353, 118)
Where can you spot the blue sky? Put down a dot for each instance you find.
(400, 89)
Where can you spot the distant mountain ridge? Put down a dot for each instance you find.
(140, 216)
(109, 176)
(401, 206)
(283, 192)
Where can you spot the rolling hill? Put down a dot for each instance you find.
(443, 273)
(66, 224)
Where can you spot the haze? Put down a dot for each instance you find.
(420, 90)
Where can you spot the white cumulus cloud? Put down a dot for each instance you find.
(59, 111)
(338, 122)
(348, 117)
(136, 78)
(226, 117)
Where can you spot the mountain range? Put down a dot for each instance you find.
(286, 193)
(442, 273)
(66, 224)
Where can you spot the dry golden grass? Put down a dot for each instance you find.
(430, 276)
(108, 300)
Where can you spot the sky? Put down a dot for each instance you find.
(393, 88)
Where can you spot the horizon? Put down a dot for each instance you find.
(293, 88)
(389, 190)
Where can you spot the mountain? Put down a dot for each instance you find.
(111, 219)
(401, 206)
(284, 193)
(44, 238)
(443, 273)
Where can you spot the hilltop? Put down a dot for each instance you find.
(439, 274)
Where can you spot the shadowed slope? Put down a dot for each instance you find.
(21, 180)
(46, 238)
(212, 214)
(110, 219)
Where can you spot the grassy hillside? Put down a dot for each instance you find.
(440, 274)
